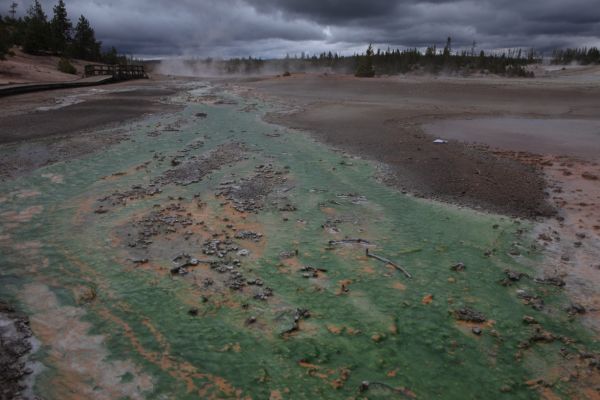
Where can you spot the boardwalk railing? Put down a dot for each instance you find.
(118, 72)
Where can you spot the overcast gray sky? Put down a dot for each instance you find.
(271, 28)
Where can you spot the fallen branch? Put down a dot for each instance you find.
(385, 260)
(348, 241)
(366, 385)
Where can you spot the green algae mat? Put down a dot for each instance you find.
(212, 255)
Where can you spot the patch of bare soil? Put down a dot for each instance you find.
(96, 111)
(37, 130)
(453, 172)
(249, 194)
(192, 170)
(23, 157)
(571, 241)
(196, 168)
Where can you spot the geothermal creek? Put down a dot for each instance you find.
(212, 255)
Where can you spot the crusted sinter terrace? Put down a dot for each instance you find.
(343, 252)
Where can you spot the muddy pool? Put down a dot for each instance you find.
(561, 136)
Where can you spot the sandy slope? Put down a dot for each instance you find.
(26, 68)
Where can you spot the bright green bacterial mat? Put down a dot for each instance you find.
(116, 319)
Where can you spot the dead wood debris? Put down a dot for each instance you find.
(385, 260)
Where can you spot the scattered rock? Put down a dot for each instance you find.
(459, 267)
(554, 281)
(545, 237)
(536, 302)
(377, 337)
(288, 207)
(512, 276)
(249, 235)
(298, 315)
(236, 281)
(364, 386)
(288, 254)
(196, 168)
(136, 192)
(264, 294)
(255, 282)
(469, 315)
(311, 272)
(576, 308)
(539, 336)
(15, 347)
(84, 294)
(249, 194)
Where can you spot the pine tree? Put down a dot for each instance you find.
(4, 36)
(111, 57)
(448, 48)
(61, 28)
(365, 67)
(36, 34)
(85, 45)
(13, 10)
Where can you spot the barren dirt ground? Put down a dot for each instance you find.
(47, 127)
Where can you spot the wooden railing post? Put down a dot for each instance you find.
(118, 72)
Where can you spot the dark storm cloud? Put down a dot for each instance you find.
(329, 11)
(275, 27)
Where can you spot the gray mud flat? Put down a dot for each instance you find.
(41, 129)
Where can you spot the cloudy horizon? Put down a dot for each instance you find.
(274, 28)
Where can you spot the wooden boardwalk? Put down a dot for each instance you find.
(118, 72)
(94, 75)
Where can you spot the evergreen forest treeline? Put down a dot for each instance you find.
(36, 33)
